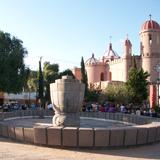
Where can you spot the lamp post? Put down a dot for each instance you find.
(29, 95)
(157, 68)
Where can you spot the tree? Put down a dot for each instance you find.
(32, 82)
(13, 72)
(117, 93)
(84, 76)
(51, 73)
(93, 93)
(66, 72)
(40, 84)
(137, 85)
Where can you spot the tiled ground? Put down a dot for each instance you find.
(10, 150)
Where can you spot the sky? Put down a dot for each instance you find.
(62, 31)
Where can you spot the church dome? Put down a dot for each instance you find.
(150, 24)
(110, 53)
(91, 61)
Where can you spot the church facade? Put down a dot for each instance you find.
(111, 68)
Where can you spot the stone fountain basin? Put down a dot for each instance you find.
(96, 130)
(84, 122)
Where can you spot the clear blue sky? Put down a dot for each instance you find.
(62, 31)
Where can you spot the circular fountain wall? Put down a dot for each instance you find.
(93, 129)
(26, 126)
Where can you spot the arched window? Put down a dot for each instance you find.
(141, 48)
(102, 76)
(150, 38)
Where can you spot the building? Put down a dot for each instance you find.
(113, 68)
(22, 98)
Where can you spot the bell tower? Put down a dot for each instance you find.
(127, 58)
(150, 47)
(127, 48)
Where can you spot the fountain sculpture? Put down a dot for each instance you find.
(67, 97)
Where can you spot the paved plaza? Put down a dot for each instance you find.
(11, 150)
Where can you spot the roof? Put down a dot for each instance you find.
(150, 24)
(92, 60)
(110, 53)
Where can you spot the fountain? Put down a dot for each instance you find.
(70, 128)
(67, 97)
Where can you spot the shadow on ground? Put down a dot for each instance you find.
(26, 151)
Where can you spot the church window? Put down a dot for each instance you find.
(141, 48)
(150, 38)
(102, 76)
(130, 50)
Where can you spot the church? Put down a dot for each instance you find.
(111, 68)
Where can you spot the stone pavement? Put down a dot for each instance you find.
(11, 150)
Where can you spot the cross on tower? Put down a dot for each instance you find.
(150, 17)
(127, 35)
(110, 38)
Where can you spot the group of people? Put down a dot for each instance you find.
(122, 108)
(6, 107)
(90, 107)
(96, 107)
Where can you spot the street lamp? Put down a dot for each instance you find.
(29, 96)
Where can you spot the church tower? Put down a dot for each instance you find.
(127, 48)
(127, 55)
(95, 70)
(150, 47)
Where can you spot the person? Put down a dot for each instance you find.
(50, 106)
(122, 109)
(83, 108)
(102, 108)
(112, 108)
(138, 112)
